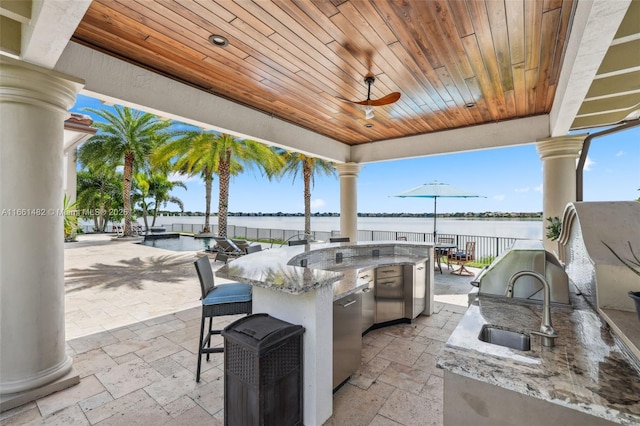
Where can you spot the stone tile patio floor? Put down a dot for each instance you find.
(133, 321)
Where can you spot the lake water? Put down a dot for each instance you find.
(531, 229)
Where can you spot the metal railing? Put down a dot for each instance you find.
(487, 248)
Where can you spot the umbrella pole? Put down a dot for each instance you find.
(435, 213)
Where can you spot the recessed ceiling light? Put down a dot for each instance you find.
(218, 40)
(469, 105)
(368, 125)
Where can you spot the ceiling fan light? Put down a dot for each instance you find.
(368, 112)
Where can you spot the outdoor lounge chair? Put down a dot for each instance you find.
(225, 299)
(339, 239)
(462, 257)
(242, 244)
(254, 248)
(226, 249)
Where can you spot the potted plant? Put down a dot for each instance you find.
(554, 228)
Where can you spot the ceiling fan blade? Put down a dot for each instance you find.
(385, 100)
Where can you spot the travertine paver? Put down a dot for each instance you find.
(134, 339)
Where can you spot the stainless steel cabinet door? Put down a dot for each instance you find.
(347, 337)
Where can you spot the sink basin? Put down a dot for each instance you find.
(501, 337)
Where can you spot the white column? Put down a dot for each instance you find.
(33, 107)
(348, 173)
(558, 157)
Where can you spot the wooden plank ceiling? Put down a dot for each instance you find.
(456, 63)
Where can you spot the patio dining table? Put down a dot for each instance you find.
(443, 249)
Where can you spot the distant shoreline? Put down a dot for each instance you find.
(467, 215)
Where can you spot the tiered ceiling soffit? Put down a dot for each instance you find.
(614, 93)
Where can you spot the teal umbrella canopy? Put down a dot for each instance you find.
(437, 190)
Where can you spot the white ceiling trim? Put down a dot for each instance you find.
(485, 136)
(594, 26)
(612, 95)
(618, 72)
(119, 82)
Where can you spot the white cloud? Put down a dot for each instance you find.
(525, 189)
(620, 153)
(538, 188)
(317, 203)
(499, 197)
(120, 169)
(588, 163)
(177, 177)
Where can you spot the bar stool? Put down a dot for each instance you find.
(225, 299)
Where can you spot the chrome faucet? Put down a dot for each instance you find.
(547, 331)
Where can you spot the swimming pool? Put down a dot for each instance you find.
(182, 243)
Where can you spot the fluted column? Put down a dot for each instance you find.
(348, 173)
(558, 157)
(33, 107)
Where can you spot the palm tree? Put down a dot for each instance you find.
(296, 163)
(206, 153)
(157, 186)
(127, 137)
(234, 154)
(99, 195)
(160, 189)
(140, 193)
(195, 154)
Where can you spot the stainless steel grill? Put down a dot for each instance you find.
(525, 255)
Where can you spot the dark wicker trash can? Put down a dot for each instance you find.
(262, 372)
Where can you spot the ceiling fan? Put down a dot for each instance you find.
(370, 103)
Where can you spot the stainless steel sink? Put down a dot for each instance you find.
(501, 337)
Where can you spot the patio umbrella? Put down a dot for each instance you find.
(437, 190)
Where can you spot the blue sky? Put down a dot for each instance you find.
(510, 179)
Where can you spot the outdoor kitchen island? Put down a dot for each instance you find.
(299, 284)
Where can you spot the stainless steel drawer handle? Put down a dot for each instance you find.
(420, 268)
(364, 277)
(389, 284)
(386, 271)
(366, 290)
(348, 303)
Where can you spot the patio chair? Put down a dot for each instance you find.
(217, 300)
(226, 249)
(339, 239)
(444, 251)
(463, 257)
(118, 228)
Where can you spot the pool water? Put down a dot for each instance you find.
(183, 243)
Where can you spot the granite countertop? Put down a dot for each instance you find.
(278, 268)
(585, 371)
